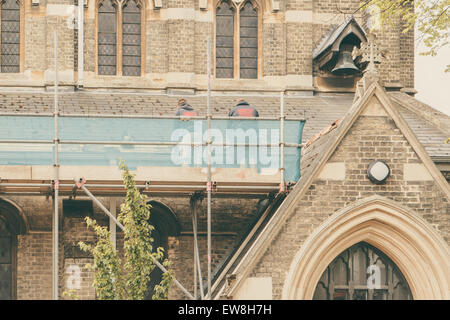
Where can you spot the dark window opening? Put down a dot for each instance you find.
(107, 37)
(248, 42)
(131, 33)
(10, 42)
(362, 273)
(225, 41)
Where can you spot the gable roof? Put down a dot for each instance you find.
(319, 110)
(323, 152)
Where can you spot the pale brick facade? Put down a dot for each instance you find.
(175, 46)
(175, 42)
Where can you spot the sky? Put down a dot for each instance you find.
(431, 80)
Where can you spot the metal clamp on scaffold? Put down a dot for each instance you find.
(80, 182)
(55, 184)
(211, 186)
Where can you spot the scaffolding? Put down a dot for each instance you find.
(115, 188)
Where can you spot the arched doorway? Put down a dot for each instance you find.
(166, 225)
(416, 248)
(362, 272)
(12, 223)
(7, 253)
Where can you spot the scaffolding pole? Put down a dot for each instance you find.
(56, 181)
(209, 186)
(153, 143)
(282, 144)
(80, 42)
(139, 116)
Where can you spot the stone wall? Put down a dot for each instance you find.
(231, 219)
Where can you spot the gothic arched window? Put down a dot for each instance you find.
(10, 36)
(362, 273)
(119, 37)
(166, 225)
(6, 261)
(237, 40)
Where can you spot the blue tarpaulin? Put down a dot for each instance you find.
(151, 130)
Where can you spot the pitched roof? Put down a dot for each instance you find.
(345, 28)
(319, 111)
(326, 145)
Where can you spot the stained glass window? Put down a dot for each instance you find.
(248, 42)
(362, 273)
(236, 40)
(225, 41)
(131, 48)
(107, 37)
(10, 26)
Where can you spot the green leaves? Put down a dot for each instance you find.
(431, 18)
(108, 280)
(115, 280)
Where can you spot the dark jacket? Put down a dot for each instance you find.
(186, 110)
(243, 109)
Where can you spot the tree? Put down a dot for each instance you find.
(115, 280)
(430, 17)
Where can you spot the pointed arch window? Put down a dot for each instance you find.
(362, 273)
(11, 36)
(119, 37)
(237, 38)
(6, 262)
(165, 225)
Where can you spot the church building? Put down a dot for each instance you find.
(338, 188)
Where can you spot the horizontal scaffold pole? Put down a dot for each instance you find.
(138, 116)
(153, 143)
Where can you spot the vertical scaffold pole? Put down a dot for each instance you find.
(56, 181)
(282, 184)
(208, 185)
(80, 42)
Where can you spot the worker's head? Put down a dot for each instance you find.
(242, 101)
(181, 102)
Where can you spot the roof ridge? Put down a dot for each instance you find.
(433, 116)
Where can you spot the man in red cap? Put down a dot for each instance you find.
(243, 109)
(185, 109)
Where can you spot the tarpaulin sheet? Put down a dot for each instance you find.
(152, 130)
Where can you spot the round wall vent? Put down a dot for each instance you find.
(378, 171)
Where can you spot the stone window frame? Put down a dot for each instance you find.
(119, 39)
(21, 39)
(236, 54)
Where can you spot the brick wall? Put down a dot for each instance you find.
(299, 48)
(369, 139)
(274, 57)
(34, 266)
(176, 42)
(230, 220)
